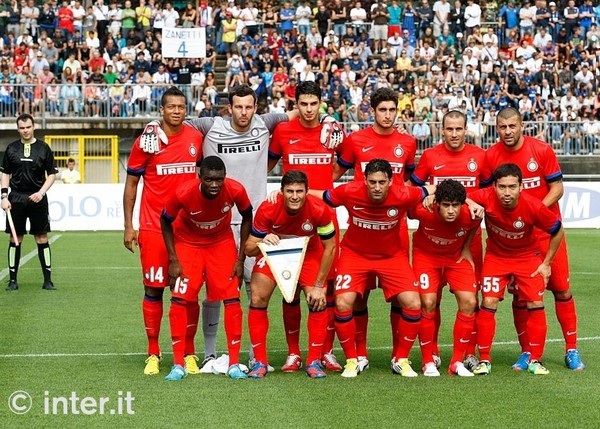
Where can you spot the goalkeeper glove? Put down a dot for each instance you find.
(152, 136)
(332, 134)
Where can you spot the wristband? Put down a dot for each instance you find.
(320, 286)
(42, 193)
(4, 196)
(4, 191)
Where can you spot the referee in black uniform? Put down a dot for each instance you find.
(29, 169)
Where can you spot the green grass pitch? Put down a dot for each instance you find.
(87, 339)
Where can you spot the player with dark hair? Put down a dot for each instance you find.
(197, 233)
(295, 214)
(542, 178)
(297, 144)
(465, 163)
(441, 255)
(378, 141)
(370, 246)
(29, 169)
(513, 252)
(163, 172)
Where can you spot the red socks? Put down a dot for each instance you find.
(152, 310)
(258, 326)
(292, 317)
(233, 329)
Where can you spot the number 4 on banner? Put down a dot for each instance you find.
(182, 50)
(285, 261)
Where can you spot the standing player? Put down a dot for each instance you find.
(242, 142)
(196, 226)
(441, 254)
(465, 163)
(297, 142)
(162, 172)
(379, 141)
(29, 169)
(295, 214)
(542, 178)
(371, 247)
(513, 252)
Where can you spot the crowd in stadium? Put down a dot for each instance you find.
(101, 59)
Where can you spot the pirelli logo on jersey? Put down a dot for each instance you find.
(176, 168)
(439, 240)
(466, 181)
(209, 225)
(374, 224)
(506, 234)
(397, 167)
(245, 147)
(532, 182)
(310, 159)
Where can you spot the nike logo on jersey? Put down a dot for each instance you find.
(294, 141)
(195, 213)
(437, 167)
(366, 149)
(358, 208)
(276, 226)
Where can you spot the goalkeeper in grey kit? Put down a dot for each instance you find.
(242, 142)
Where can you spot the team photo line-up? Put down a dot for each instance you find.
(203, 226)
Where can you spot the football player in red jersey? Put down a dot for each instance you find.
(163, 171)
(196, 227)
(465, 163)
(295, 214)
(542, 178)
(441, 254)
(384, 142)
(297, 143)
(513, 220)
(371, 246)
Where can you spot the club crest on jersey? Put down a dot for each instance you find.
(254, 132)
(518, 224)
(472, 165)
(398, 151)
(226, 209)
(460, 233)
(532, 165)
(193, 151)
(307, 226)
(393, 212)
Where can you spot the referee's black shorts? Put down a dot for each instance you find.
(23, 209)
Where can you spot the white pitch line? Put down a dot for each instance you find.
(26, 258)
(111, 354)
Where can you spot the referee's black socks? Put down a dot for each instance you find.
(45, 260)
(14, 257)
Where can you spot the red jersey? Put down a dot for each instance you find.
(511, 231)
(201, 221)
(164, 172)
(538, 164)
(437, 237)
(301, 149)
(438, 164)
(313, 217)
(362, 146)
(373, 228)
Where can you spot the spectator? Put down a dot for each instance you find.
(70, 96)
(339, 18)
(441, 10)
(472, 17)
(303, 16)
(508, 18)
(115, 17)
(526, 17)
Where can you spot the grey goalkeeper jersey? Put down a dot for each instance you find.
(245, 154)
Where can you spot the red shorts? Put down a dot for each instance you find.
(308, 273)
(394, 273)
(154, 258)
(559, 279)
(499, 271)
(404, 238)
(213, 264)
(433, 272)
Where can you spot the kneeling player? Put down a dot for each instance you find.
(295, 214)
(513, 251)
(441, 254)
(371, 247)
(196, 226)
